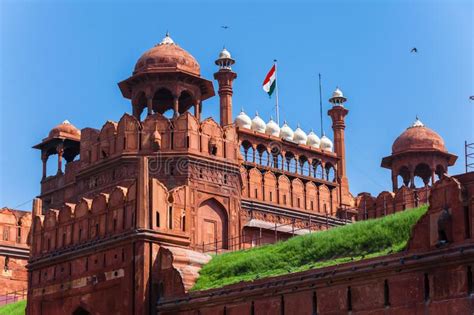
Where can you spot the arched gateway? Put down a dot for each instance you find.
(212, 225)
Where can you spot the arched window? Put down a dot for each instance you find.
(262, 155)
(304, 166)
(290, 162)
(163, 101)
(404, 176)
(330, 172)
(422, 175)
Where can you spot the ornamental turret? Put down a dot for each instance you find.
(166, 77)
(225, 77)
(338, 113)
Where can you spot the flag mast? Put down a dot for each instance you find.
(277, 109)
(321, 106)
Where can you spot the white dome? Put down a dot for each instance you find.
(337, 93)
(258, 124)
(313, 140)
(417, 123)
(272, 128)
(243, 121)
(167, 40)
(286, 132)
(224, 54)
(300, 136)
(326, 143)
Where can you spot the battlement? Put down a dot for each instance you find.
(386, 202)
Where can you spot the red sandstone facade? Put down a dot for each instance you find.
(149, 186)
(433, 276)
(14, 250)
(130, 216)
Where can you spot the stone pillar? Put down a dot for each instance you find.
(175, 106)
(225, 78)
(44, 159)
(197, 110)
(412, 178)
(269, 157)
(433, 178)
(149, 105)
(394, 181)
(60, 151)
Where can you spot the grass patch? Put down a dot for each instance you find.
(360, 240)
(17, 308)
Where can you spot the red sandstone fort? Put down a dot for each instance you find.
(125, 222)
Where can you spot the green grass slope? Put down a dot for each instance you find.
(365, 239)
(17, 308)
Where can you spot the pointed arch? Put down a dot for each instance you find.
(297, 193)
(255, 184)
(212, 223)
(270, 191)
(284, 188)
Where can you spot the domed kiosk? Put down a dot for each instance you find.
(418, 152)
(63, 140)
(166, 77)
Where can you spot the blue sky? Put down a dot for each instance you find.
(62, 60)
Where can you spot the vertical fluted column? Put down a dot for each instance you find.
(225, 78)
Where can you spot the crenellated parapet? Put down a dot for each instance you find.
(288, 191)
(91, 219)
(385, 203)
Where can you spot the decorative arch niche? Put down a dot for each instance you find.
(212, 223)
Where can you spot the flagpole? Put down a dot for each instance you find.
(321, 106)
(277, 109)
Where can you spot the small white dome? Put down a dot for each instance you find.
(286, 132)
(224, 54)
(337, 93)
(417, 123)
(272, 128)
(167, 40)
(326, 143)
(313, 140)
(243, 121)
(258, 124)
(300, 136)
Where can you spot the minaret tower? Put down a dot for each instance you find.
(225, 77)
(338, 113)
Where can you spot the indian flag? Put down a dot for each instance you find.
(270, 81)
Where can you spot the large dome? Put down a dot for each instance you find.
(167, 55)
(418, 138)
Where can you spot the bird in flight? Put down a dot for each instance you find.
(471, 98)
(414, 50)
(225, 27)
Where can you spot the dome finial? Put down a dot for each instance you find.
(167, 40)
(417, 122)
